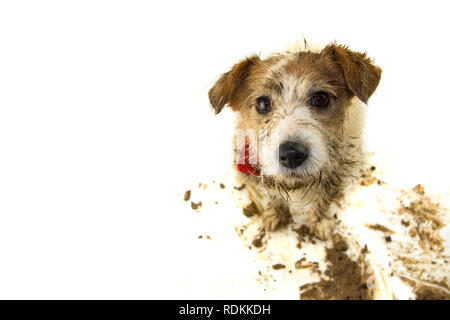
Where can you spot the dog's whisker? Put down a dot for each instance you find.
(307, 191)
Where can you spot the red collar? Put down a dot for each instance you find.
(244, 165)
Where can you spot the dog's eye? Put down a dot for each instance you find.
(263, 105)
(320, 100)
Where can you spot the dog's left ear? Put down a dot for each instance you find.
(230, 87)
(361, 76)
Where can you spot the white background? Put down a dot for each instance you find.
(104, 122)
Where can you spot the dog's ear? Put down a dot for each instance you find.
(361, 76)
(230, 87)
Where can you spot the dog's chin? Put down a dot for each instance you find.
(296, 178)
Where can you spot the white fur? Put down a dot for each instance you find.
(292, 122)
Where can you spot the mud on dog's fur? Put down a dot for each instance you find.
(297, 117)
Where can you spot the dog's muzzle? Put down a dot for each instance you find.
(292, 154)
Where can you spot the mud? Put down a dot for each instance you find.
(430, 291)
(347, 280)
(421, 257)
(303, 264)
(367, 178)
(379, 227)
(304, 234)
(258, 240)
(250, 210)
(187, 195)
(424, 220)
(196, 206)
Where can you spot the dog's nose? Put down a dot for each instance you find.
(292, 154)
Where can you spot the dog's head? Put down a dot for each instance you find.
(290, 107)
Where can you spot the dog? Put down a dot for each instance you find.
(298, 129)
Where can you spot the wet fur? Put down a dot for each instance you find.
(332, 135)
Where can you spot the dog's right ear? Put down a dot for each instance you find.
(230, 87)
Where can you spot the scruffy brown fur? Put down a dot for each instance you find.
(290, 80)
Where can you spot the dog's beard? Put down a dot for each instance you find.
(294, 179)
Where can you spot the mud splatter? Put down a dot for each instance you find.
(187, 195)
(347, 280)
(196, 206)
(250, 210)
